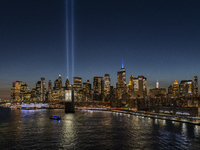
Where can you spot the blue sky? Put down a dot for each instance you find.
(157, 39)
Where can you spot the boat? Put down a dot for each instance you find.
(55, 117)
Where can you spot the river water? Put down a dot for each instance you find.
(92, 130)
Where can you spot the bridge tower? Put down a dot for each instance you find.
(69, 101)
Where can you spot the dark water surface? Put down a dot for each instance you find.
(32, 129)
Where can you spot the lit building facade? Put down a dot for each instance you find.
(77, 88)
(49, 90)
(140, 87)
(77, 83)
(195, 85)
(123, 70)
(38, 90)
(107, 84)
(120, 85)
(157, 84)
(98, 85)
(170, 91)
(15, 91)
(87, 90)
(131, 86)
(20, 92)
(43, 90)
(59, 82)
(67, 84)
(157, 92)
(176, 89)
(186, 88)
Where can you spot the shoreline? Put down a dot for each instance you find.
(145, 114)
(132, 112)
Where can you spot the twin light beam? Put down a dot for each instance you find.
(70, 38)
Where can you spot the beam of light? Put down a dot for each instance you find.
(67, 36)
(72, 33)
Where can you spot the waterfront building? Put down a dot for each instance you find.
(15, 91)
(20, 92)
(107, 84)
(186, 88)
(195, 85)
(176, 89)
(25, 93)
(181, 111)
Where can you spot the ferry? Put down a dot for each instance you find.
(55, 117)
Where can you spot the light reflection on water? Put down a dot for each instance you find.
(32, 129)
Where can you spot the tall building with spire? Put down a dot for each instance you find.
(157, 92)
(175, 89)
(157, 84)
(123, 70)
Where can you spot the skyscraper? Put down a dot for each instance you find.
(107, 84)
(42, 89)
(170, 91)
(49, 90)
(98, 85)
(15, 91)
(186, 88)
(67, 84)
(77, 83)
(38, 90)
(123, 70)
(131, 86)
(175, 89)
(195, 85)
(120, 84)
(87, 90)
(59, 82)
(140, 87)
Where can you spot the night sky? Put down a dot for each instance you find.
(159, 39)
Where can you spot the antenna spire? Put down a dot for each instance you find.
(122, 64)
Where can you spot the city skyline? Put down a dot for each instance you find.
(159, 40)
